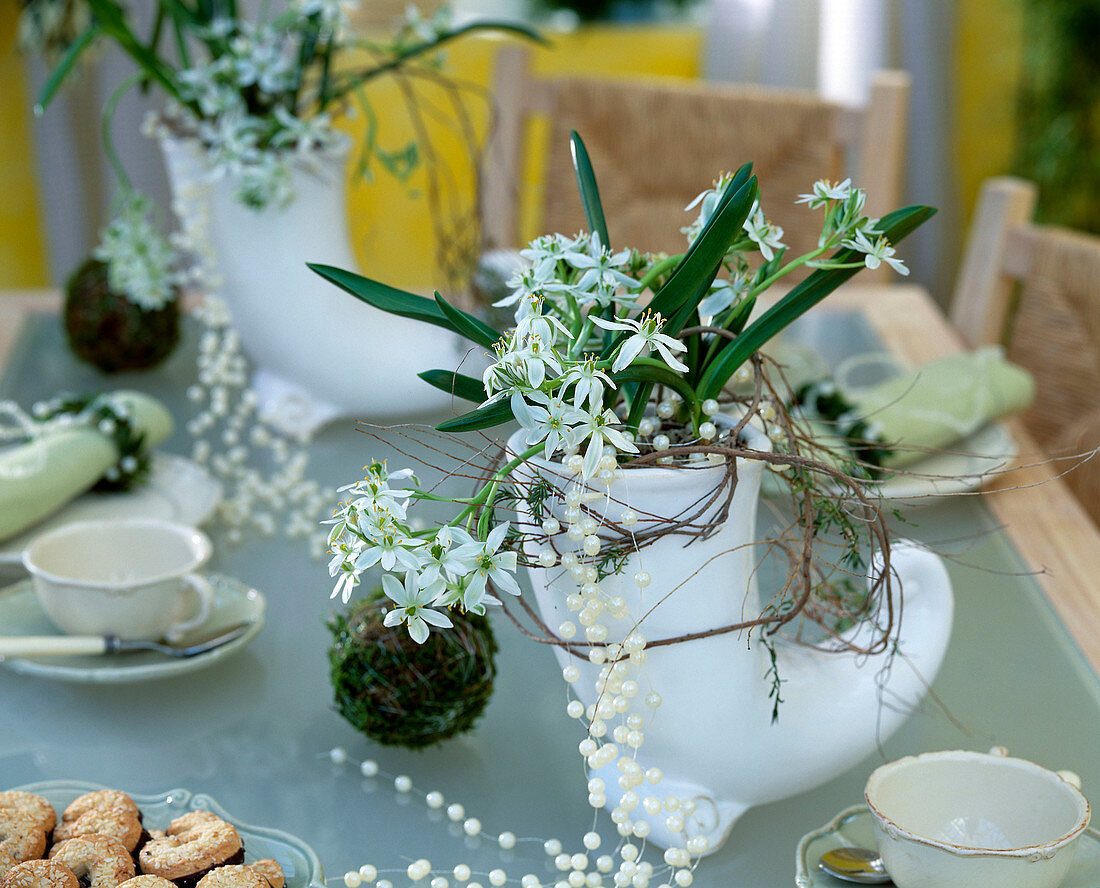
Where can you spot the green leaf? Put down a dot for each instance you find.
(799, 300)
(482, 418)
(65, 66)
(387, 298)
(457, 384)
(653, 371)
(468, 325)
(590, 192)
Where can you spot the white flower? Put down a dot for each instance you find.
(601, 268)
(553, 422)
(761, 232)
(646, 338)
(387, 545)
(342, 565)
(491, 564)
(544, 254)
(877, 251)
(522, 362)
(462, 592)
(723, 293)
(825, 191)
(590, 383)
(439, 557)
(598, 430)
(412, 606)
(707, 201)
(141, 264)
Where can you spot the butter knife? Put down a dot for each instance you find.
(93, 645)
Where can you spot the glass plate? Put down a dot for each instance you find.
(299, 862)
(855, 826)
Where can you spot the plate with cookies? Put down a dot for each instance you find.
(73, 834)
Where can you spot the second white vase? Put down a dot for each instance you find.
(319, 353)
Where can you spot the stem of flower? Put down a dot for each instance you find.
(657, 269)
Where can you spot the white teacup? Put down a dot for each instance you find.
(960, 819)
(133, 579)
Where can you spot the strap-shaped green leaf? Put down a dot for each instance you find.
(64, 66)
(457, 384)
(801, 299)
(655, 372)
(482, 418)
(112, 21)
(468, 325)
(385, 297)
(590, 192)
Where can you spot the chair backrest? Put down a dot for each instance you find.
(1036, 290)
(657, 142)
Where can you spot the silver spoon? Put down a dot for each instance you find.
(860, 865)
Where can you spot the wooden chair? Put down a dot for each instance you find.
(655, 143)
(1036, 290)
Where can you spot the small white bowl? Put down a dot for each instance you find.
(961, 819)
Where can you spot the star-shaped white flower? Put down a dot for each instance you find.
(553, 422)
(876, 251)
(412, 606)
(766, 236)
(489, 564)
(590, 383)
(646, 338)
(599, 430)
(825, 191)
(439, 556)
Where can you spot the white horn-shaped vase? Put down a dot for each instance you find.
(318, 352)
(712, 736)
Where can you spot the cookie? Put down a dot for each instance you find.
(102, 860)
(193, 844)
(105, 812)
(29, 803)
(233, 877)
(21, 838)
(39, 874)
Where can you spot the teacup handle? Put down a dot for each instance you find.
(206, 602)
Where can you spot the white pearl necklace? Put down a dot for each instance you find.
(268, 500)
(618, 689)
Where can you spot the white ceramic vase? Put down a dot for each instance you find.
(713, 736)
(319, 353)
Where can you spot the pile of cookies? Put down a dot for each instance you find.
(100, 842)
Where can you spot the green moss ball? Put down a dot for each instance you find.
(109, 331)
(401, 693)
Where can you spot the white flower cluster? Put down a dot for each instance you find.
(141, 263)
(247, 95)
(448, 567)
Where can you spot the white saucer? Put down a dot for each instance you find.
(21, 614)
(855, 826)
(962, 469)
(177, 489)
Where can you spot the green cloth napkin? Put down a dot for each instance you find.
(939, 404)
(39, 477)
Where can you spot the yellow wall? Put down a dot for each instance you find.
(988, 57)
(22, 252)
(390, 221)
